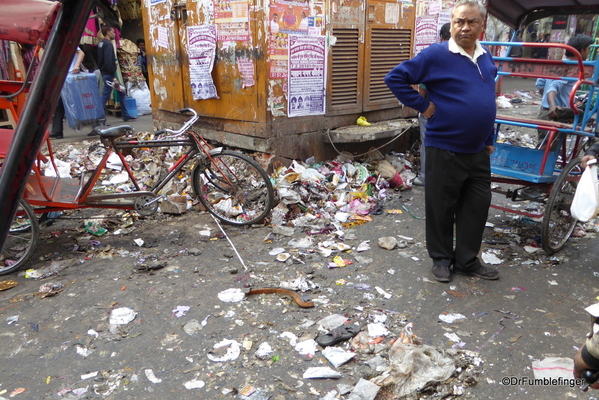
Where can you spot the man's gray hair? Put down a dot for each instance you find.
(472, 3)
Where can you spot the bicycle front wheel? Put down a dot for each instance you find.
(234, 188)
(21, 240)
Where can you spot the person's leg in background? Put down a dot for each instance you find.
(57, 121)
(419, 180)
(107, 89)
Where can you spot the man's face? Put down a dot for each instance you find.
(142, 45)
(584, 53)
(110, 35)
(466, 26)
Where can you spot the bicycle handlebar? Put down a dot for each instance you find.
(186, 125)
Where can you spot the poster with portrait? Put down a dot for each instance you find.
(202, 51)
(307, 66)
(288, 18)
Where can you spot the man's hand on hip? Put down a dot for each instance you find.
(430, 110)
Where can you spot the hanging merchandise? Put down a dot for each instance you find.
(130, 68)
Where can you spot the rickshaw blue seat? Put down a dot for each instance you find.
(523, 163)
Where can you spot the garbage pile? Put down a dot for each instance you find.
(312, 195)
(336, 194)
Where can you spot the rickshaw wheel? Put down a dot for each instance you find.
(21, 240)
(558, 223)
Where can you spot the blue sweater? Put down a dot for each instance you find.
(465, 101)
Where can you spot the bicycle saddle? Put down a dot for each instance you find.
(115, 131)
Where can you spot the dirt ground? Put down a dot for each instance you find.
(65, 346)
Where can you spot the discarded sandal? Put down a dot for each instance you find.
(339, 334)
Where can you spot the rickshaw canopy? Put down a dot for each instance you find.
(516, 13)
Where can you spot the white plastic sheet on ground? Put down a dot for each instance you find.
(233, 351)
(553, 367)
(412, 367)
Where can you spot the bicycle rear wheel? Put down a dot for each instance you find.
(558, 223)
(21, 240)
(233, 188)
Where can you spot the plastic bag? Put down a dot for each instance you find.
(412, 367)
(82, 101)
(141, 94)
(585, 204)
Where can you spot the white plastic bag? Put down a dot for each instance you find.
(141, 94)
(585, 204)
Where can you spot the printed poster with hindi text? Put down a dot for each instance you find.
(202, 51)
(307, 66)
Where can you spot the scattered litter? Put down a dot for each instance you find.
(8, 284)
(194, 384)
(364, 390)
(233, 295)
(412, 367)
(339, 334)
(283, 257)
(377, 329)
(252, 393)
(321, 373)
(307, 348)
(264, 351)
(514, 339)
(276, 251)
(451, 318)
(383, 293)
(54, 268)
(139, 241)
(122, 316)
(291, 337)
(490, 257)
(364, 246)
(151, 377)
(16, 392)
(89, 376)
(532, 249)
(553, 367)
(12, 320)
(95, 229)
(180, 311)
(553, 283)
(225, 350)
(331, 322)
(337, 356)
(49, 289)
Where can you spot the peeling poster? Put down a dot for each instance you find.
(162, 37)
(246, 69)
(202, 51)
(307, 57)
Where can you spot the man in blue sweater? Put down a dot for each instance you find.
(460, 80)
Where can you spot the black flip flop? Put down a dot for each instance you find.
(337, 335)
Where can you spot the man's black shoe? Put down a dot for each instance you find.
(56, 135)
(442, 273)
(482, 272)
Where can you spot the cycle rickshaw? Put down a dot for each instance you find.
(231, 186)
(552, 169)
